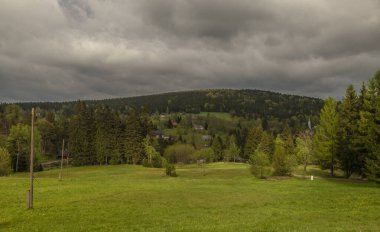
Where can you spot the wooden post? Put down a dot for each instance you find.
(27, 199)
(63, 147)
(18, 154)
(30, 205)
(203, 167)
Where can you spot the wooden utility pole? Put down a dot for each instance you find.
(63, 148)
(18, 154)
(30, 198)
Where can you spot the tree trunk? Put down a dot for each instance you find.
(304, 169)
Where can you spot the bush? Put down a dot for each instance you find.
(157, 162)
(5, 162)
(259, 164)
(170, 170)
(180, 153)
(205, 154)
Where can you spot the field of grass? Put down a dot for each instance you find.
(228, 198)
(220, 115)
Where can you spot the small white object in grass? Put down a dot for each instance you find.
(311, 177)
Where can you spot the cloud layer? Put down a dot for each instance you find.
(71, 49)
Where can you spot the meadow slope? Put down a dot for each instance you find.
(228, 198)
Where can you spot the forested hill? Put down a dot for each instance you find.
(245, 103)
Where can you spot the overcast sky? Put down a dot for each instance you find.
(71, 49)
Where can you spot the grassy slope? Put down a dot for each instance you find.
(228, 198)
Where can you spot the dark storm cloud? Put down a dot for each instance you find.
(73, 49)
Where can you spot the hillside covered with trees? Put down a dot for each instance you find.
(273, 132)
(243, 103)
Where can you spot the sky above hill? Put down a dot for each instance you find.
(94, 49)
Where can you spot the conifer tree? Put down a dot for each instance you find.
(253, 140)
(347, 131)
(370, 127)
(260, 159)
(217, 146)
(81, 136)
(283, 163)
(287, 137)
(5, 162)
(326, 136)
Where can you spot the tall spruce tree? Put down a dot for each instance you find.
(217, 147)
(287, 137)
(325, 138)
(81, 135)
(253, 140)
(283, 163)
(347, 131)
(370, 127)
(135, 132)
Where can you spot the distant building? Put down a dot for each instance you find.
(174, 123)
(206, 137)
(198, 127)
(157, 133)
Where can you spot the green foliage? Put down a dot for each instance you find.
(347, 133)
(108, 146)
(259, 163)
(48, 137)
(304, 144)
(233, 151)
(369, 127)
(138, 125)
(14, 114)
(170, 170)
(5, 162)
(81, 136)
(325, 138)
(288, 140)
(154, 159)
(253, 140)
(206, 154)
(179, 153)
(268, 106)
(267, 144)
(283, 163)
(18, 145)
(217, 147)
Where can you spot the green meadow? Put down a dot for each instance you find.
(227, 198)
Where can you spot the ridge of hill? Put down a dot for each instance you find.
(247, 103)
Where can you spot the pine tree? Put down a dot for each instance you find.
(5, 162)
(135, 132)
(326, 136)
(287, 137)
(267, 144)
(217, 146)
(260, 159)
(370, 127)
(81, 136)
(253, 140)
(347, 131)
(283, 163)
(360, 137)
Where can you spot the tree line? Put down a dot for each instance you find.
(346, 137)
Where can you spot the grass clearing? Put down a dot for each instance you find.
(228, 198)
